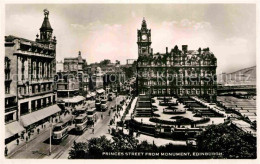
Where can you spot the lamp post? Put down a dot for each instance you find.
(50, 138)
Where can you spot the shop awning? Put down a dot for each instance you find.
(100, 91)
(13, 128)
(93, 94)
(39, 115)
(74, 99)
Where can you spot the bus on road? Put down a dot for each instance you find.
(98, 104)
(92, 116)
(61, 129)
(103, 105)
(81, 123)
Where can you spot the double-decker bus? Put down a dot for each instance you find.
(110, 97)
(61, 129)
(98, 104)
(92, 116)
(81, 123)
(103, 104)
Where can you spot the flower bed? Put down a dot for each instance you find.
(181, 121)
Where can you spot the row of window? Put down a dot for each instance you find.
(39, 69)
(160, 63)
(37, 88)
(36, 104)
(179, 91)
(158, 83)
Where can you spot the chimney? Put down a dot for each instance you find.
(185, 48)
(151, 51)
(166, 50)
(199, 50)
(79, 53)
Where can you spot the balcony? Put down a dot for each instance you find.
(29, 53)
(34, 94)
(42, 80)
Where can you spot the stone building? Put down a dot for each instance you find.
(30, 68)
(179, 72)
(74, 64)
(59, 66)
(67, 85)
(77, 66)
(97, 79)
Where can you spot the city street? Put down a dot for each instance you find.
(39, 147)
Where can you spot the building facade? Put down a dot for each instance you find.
(179, 72)
(67, 85)
(32, 66)
(77, 66)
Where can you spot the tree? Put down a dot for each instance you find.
(231, 142)
(98, 145)
(79, 150)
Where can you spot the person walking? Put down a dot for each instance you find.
(93, 130)
(17, 141)
(6, 151)
(102, 116)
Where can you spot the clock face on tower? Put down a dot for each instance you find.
(144, 37)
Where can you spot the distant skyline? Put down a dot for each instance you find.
(109, 31)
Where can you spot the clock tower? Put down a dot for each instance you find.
(144, 40)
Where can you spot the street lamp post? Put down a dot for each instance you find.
(50, 138)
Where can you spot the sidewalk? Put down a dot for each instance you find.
(13, 147)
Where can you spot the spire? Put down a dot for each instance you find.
(144, 25)
(46, 30)
(46, 24)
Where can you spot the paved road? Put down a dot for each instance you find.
(39, 147)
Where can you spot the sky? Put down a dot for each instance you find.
(109, 31)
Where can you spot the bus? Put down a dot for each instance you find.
(98, 104)
(61, 129)
(103, 105)
(110, 98)
(81, 123)
(92, 116)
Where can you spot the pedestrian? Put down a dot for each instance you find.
(38, 130)
(17, 141)
(93, 130)
(26, 138)
(29, 134)
(102, 116)
(6, 151)
(108, 130)
(22, 135)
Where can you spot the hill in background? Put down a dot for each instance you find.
(246, 76)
